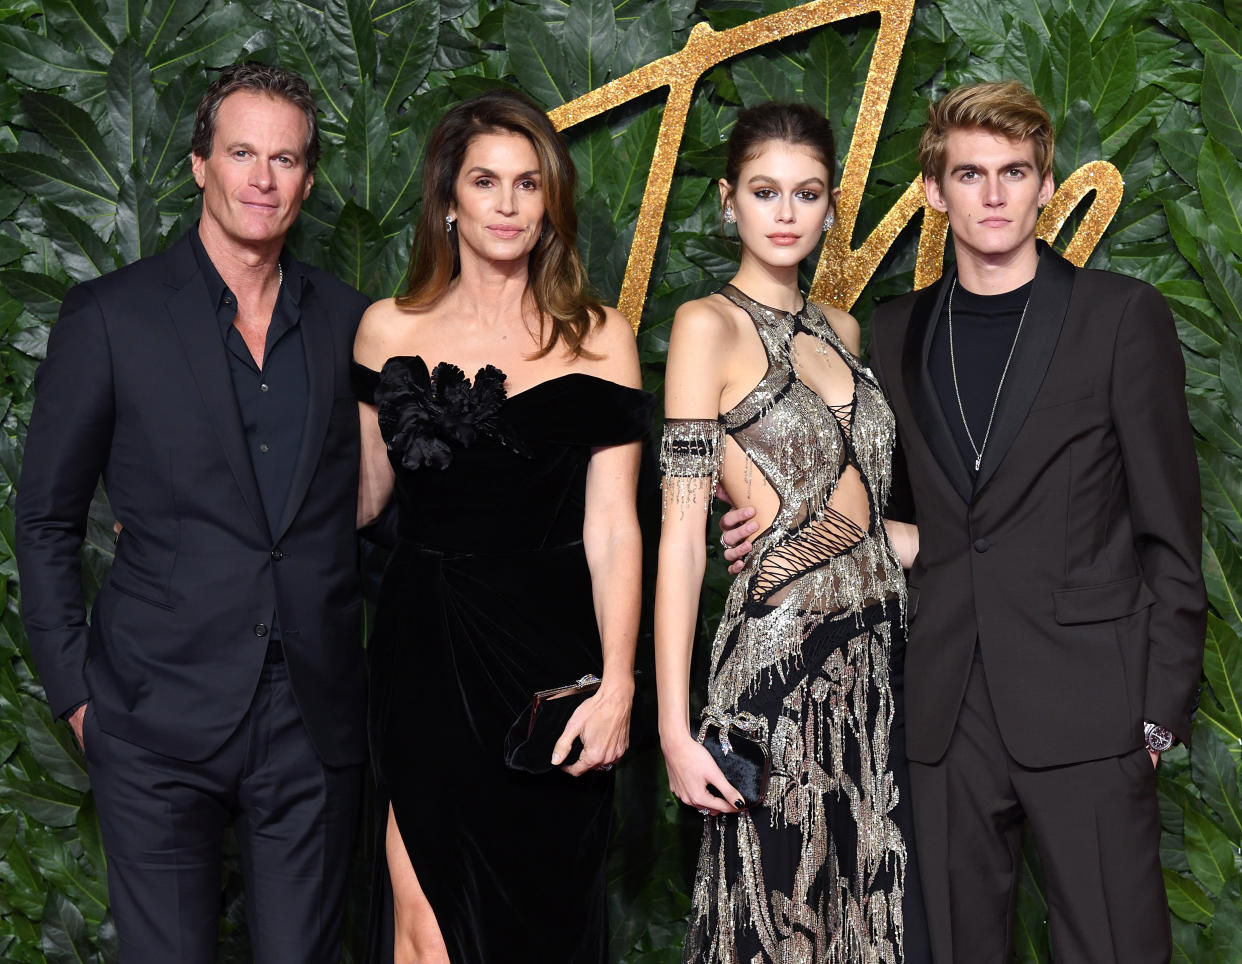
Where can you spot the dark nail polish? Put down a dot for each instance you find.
(739, 803)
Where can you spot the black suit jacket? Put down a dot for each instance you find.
(136, 388)
(1073, 557)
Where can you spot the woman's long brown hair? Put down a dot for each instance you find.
(556, 279)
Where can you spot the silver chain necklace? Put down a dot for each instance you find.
(978, 449)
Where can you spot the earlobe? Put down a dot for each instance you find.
(931, 191)
(196, 166)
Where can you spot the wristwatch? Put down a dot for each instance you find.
(1158, 738)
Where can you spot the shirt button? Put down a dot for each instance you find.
(263, 447)
(981, 545)
(277, 554)
(260, 629)
(263, 387)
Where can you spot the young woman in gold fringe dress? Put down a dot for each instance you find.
(765, 393)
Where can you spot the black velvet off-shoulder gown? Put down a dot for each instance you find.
(486, 599)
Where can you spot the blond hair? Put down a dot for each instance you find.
(1005, 108)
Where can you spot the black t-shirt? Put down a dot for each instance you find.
(983, 333)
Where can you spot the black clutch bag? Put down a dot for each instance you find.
(738, 746)
(533, 735)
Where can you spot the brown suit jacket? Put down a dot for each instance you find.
(1073, 558)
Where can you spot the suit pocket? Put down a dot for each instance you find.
(1101, 603)
(1054, 396)
(139, 594)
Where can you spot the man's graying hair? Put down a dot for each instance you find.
(256, 78)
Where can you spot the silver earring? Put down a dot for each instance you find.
(729, 216)
(829, 220)
(448, 224)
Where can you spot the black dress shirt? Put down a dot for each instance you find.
(984, 327)
(271, 400)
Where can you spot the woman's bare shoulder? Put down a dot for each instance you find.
(712, 318)
(845, 325)
(386, 329)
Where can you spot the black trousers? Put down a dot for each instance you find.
(1096, 826)
(163, 822)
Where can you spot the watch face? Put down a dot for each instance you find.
(1159, 739)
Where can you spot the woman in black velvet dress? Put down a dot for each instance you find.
(502, 404)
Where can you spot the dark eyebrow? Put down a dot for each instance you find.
(971, 166)
(475, 171)
(763, 178)
(247, 146)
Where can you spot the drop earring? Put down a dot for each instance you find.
(448, 224)
(829, 220)
(729, 216)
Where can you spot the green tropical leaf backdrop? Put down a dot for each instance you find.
(96, 106)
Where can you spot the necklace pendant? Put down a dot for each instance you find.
(977, 461)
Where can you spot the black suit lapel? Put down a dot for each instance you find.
(195, 324)
(320, 390)
(923, 399)
(1050, 296)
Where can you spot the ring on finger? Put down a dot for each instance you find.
(723, 544)
(704, 811)
(605, 766)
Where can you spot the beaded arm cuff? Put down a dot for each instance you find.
(691, 450)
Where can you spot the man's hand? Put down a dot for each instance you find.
(736, 528)
(75, 721)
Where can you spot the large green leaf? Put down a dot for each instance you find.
(82, 253)
(1187, 899)
(978, 22)
(1222, 668)
(353, 41)
(44, 64)
(162, 20)
(1215, 772)
(1223, 282)
(644, 39)
(73, 133)
(1220, 478)
(1078, 140)
(137, 232)
(829, 85)
(1112, 76)
(41, 800)
(64, 932)
(368, 146)
(217, 38)
(81, 22)
(1211, 32)
(354, 240)
(131, 104)
(537, 58)
(407, 52)
(1222, 101)
(1220, 182)
(592, 28)
(1070, 59)
(40, 294)
(172, 125)
(1209, 851)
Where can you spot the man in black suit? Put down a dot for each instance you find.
(1056, 606)
(220, 678)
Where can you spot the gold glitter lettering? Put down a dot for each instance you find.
(842, 272)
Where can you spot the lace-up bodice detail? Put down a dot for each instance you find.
(829, 462)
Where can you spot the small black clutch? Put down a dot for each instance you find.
(533, 735)
(737, 745)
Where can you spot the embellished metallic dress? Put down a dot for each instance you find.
(801, 659)
(487, 599)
